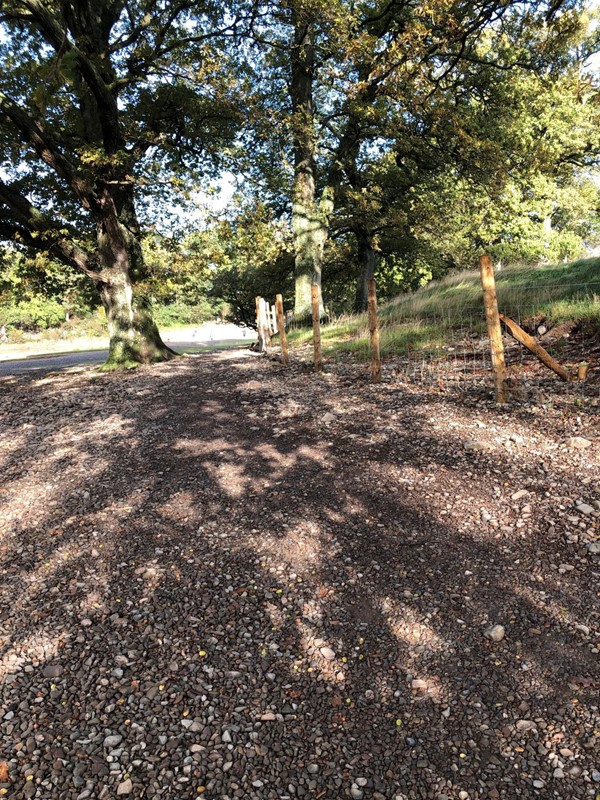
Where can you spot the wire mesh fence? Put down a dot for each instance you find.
(441, 338)
(452, 352)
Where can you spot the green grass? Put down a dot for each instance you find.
(430, 317)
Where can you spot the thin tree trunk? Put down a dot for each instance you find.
(366, 261)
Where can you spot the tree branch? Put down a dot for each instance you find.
(34, 229)
(47, 149)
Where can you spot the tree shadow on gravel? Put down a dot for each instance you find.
(263, 604)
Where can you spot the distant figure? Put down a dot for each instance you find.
(3, 336)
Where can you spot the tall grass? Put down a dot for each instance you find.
(427, 317)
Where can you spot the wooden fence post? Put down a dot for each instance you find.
(264, 326)
(374, 332)
(316, 327)
(492, 317)
(274, 325)
(535, 348)
(258, 325)
(281, 326)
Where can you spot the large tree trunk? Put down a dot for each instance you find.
(133, 335)
(366, 262)
(310, 218)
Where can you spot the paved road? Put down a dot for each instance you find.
(65, 361)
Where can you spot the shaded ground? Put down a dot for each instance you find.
(231, 580)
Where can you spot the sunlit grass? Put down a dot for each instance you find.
(428, 318)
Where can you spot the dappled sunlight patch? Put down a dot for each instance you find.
(31, 651)
(406, 627)
(230, 478)
(150, 574)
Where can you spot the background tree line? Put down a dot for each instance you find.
(394, 138)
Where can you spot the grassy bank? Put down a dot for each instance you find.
(443, 310)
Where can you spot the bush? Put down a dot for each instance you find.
(35, 314)
(182, 314)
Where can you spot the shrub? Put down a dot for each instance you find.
(36, 314)
(182, 314)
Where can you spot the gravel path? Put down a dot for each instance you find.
(224, 579)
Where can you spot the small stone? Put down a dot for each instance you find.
(518, 495)
(595, 776)
(356, 793)
(582, 629)
(258, 784)
(578, 443)
(538, 784)
(558, 773)
(584, 508)
(327, 653)
(362, 782)
(476, 446)
(52, 671)
(126, 787)
(524, 725)
(495, 632)
(594, 548)
(111, 742)
(313, 769)
(268, 716)
(418, 685)
(566, 753)
(226, 737)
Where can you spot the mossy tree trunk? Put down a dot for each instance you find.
(310, 216)
(133, 335)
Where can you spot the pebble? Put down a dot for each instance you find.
(524, 725)
(126, 787)
(578, 443)
(477, 446)
(495, 632)
(52, 671)
(110, 742)
(584, 508)
(327, 653)
(594, 548)
(518, 495)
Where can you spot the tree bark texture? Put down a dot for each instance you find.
(366, 262)
(309, 215)
(133, 335)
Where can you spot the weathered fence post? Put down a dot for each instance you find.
(374, 331)
(264, 337)
(492, 317)
(316, 327)
(281, 326)
(273, 317)
(258, 325)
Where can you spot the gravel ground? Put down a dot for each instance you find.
(226, 579)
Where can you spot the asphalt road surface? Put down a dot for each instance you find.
(216, 337)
